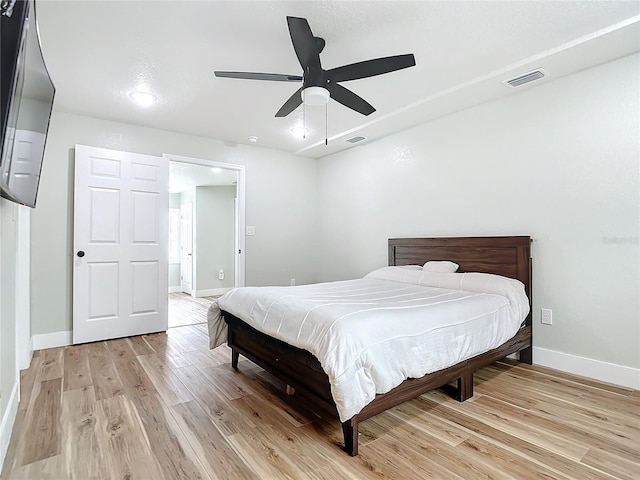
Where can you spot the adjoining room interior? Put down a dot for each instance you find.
(202, 238)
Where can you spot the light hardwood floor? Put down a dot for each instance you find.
(163, 406)
(187, 310)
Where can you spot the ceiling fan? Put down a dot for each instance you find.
(318, 85)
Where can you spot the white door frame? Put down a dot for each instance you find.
(240, 218)
(184, 245)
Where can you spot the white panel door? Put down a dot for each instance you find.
(121, 211)
(186, 248)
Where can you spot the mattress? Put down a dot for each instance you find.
(371, 334)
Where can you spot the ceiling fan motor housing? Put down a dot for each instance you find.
(314, 77)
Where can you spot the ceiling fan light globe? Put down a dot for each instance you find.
(315, 96)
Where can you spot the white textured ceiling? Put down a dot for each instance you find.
(97, 52)
(183, 176)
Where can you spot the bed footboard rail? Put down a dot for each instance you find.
(311, 388)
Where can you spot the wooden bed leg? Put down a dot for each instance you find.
(465, 387)
(526, 355)
(350, 432)
(235, 356)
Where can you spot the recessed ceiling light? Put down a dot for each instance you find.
(144, 99)
(299, 132)
(252, 138)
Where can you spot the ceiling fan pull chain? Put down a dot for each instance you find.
(326, 124)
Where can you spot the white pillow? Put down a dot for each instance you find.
(440, 267)
(410, 267)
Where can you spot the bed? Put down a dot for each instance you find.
(309, 384)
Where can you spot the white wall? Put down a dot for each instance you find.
(276, 182)
(285, 244)
(559, 162)
(9, 373)
(215, 225)
(8, 247)
(214, 235)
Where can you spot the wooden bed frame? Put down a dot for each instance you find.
(308, 384)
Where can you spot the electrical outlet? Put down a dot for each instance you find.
(292, 282)
(546, 316)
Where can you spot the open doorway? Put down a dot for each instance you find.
(206, 222)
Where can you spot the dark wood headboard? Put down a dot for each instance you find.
(506, 256)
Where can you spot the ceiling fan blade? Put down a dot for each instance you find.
(349, 99)
(274, 77)
(290, 105)
(371, 68)
(303, 42)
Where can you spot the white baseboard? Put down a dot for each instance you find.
(51, 340)
(23, 359)
(210, 292)
(8, 419)
(175, 289)
(586, 367)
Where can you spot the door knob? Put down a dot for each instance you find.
(80, 254)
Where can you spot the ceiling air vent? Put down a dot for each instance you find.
(526, 78)
(355, 139)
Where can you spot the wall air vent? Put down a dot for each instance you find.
(355, 139)
(526, 78)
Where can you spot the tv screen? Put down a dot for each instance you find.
(28, 106)
(12, 20)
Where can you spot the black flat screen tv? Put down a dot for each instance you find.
(26, 100)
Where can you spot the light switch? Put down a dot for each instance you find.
(251, 230)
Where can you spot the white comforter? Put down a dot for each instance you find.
(373, 333)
